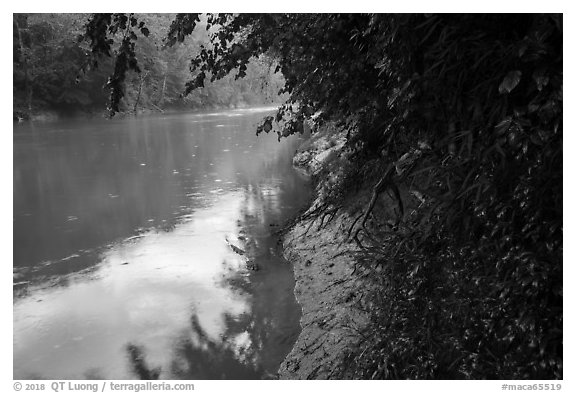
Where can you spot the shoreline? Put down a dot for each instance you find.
(326, 287)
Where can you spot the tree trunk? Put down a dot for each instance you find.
(161, 100)
(27, 81)
(29, 94)
(142, 78)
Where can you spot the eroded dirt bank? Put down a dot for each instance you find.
(325, 284)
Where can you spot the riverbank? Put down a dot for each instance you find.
(326, 286)
(415, 301)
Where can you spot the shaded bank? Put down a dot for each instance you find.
(326, 287)
(376, 304)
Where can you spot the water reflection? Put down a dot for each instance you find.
(200, 356)
(146, 281)
(139, 365)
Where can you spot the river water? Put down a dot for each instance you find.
(146, 248)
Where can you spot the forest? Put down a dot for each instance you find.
(52, 72)
(453, 120)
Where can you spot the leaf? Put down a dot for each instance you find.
(279, 116)
(503, 126)
(522, 48)
(541, 79)
(510, 82)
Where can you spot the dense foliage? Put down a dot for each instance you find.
(120, 61)
(459, 118)
(473, 269)
(46, 63)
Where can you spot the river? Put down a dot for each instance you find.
(145, 248)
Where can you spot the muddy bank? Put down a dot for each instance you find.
(325, 286)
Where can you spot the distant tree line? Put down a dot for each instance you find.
(53, 72)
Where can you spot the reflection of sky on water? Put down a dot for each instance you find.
(182, 296)
(127, 272)
(147, 300)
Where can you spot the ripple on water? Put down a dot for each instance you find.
(153, 275)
